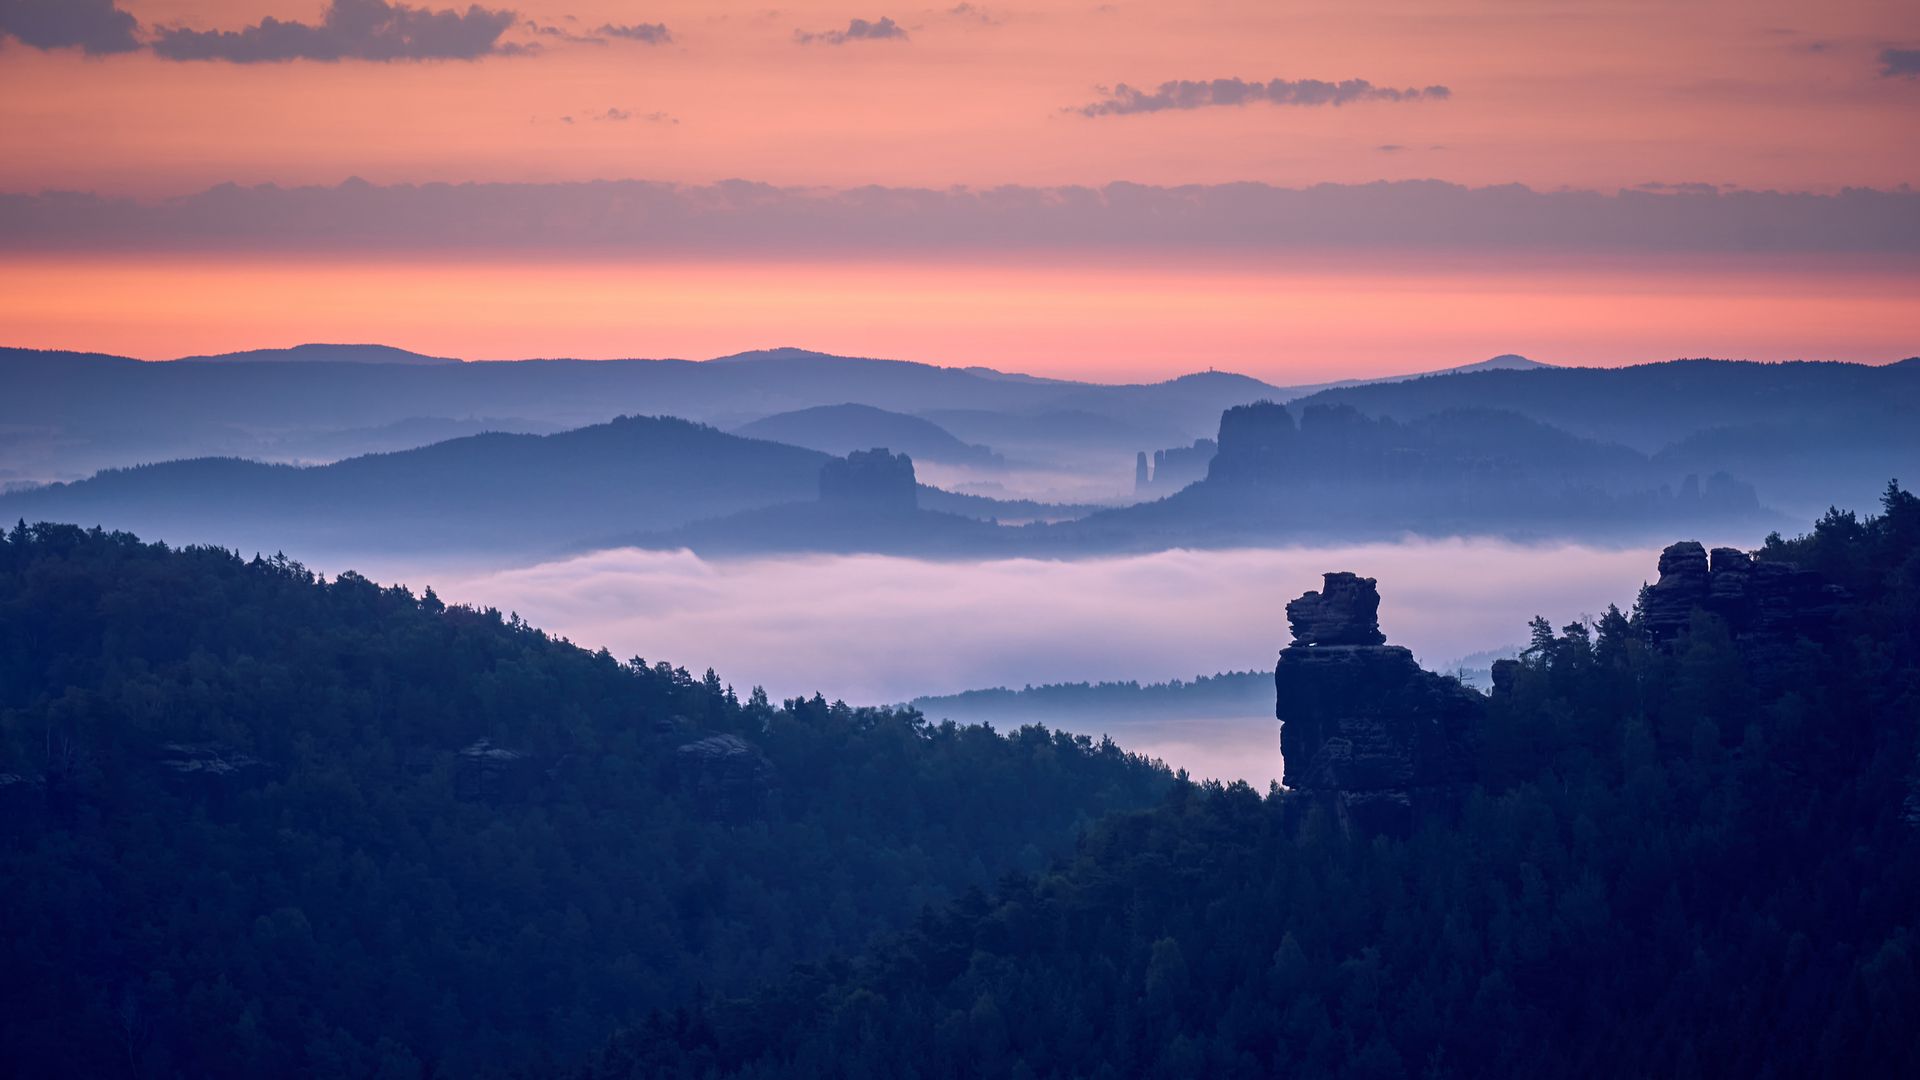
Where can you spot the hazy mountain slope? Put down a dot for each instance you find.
(485, 492)
(1650, 406)
(841, 429)
(323, 354)
(94, 412)
(1338, 475)
(1805, 434)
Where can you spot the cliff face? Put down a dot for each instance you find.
(1173, 468)
(1363, 727)
(874, 479)
(1255, 444)
(727, 777)
(1765, 604)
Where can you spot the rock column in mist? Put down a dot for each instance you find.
(872, 479)
(1364, 729)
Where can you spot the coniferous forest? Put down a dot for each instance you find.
(1681, 860)
(253, 823)
(263, 823)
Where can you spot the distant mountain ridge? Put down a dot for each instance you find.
(634, 479)
(841, 429)
(492, 491)
(322, 354)
(64, 416)
(81, 413)
(1808, 433)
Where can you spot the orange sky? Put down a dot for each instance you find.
(1581, 95)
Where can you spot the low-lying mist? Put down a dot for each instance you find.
(876, 629)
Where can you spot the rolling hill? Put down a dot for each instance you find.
(842, 429)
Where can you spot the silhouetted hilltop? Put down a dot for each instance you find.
(322, 354)
(1803, 433)
(867, 501)
(493, 491)
(1337, 474)
(842, 429)
(1503, 362)
(1079, 705)
(1649, 406)
(84, 413)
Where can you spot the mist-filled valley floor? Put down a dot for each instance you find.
(875, 629)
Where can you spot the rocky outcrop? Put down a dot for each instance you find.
(1346, 611)
(491, 773)
(1256, 442)
(1173, 468)
(726, 777)
(209, 762)
(1765, 604)
(1364, 729)
(1684, 583)
(871, 479)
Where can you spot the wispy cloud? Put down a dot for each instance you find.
(645, 33)
(1900, 63)
(351, 30)
(883, 29)
(974, 13)
(92, 26)
(1181, 94)
(616, 115)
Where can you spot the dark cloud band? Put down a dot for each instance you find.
(350, 30)
(1180, 94)
(92, 26)
(882, 29)
(740, 218)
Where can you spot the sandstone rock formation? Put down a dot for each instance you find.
(873, 479)
(1765, 604)
(727, 777)
(1345, 612)
(1255, 443)
(1173, 468)
(493, 773)
(1363, 728)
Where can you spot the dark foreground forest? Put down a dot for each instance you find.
(259, 823)
(1685, 857)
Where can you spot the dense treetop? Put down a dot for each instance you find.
(256, 823)
(1678, 861)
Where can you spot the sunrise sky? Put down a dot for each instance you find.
(1110, 191)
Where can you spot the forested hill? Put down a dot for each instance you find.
(491, 491)
(257, 823)
(84, 412)
(1685, 855)
(843, 429)
(1203, 696)
(1650, 406)
(1809, 435)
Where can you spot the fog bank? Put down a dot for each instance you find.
(872, 629)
